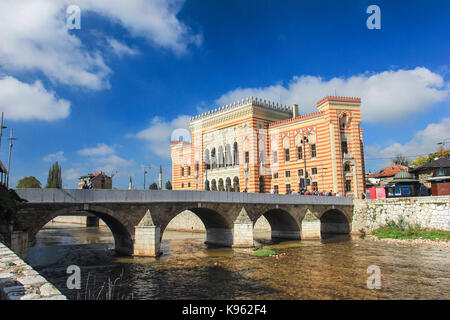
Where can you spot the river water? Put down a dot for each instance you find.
(188, 269)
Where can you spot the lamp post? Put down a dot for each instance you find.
(145, 172)
(9, 157)
(443, 142)
(304, 141)
(323, 184)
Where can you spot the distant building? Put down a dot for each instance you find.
(254, 145)
(99, 180)
(440, 182)
(387, 174)
(403, 185)
(424, 172)
(3, 174)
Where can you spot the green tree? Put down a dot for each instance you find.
(168, 185)
(440, 153)
(54, 177)
(28, 182)
(153, 186)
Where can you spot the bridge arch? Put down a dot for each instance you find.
(218, 227)
(123, 240)
(283, 224)
(334, 222)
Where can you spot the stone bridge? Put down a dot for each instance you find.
(138, 218)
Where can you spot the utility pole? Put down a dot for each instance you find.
(1, 131)
(9, 158)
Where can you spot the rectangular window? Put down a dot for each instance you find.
(299, 153)
(276, 189)
(189, 171)
(344, 147)
(197, 167)
(300, 172)
(313, 171)
(314, 186)
(286, 155)
(189, 184)
(247, 157)
(348, 185)
(275, 175)
(287, 174)
(182, 185)
(288, 189)
(313, 151)
(182, 171)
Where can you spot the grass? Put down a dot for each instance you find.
(401, 230)
(264, 252)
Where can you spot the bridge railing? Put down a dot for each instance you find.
(118, 196)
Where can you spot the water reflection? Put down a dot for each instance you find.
(334, 268)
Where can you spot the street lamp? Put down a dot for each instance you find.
(304, 141)
(145, 172)
(443, 142)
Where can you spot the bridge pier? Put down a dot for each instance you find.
(147, 237)
(243, 231)
(219, 236)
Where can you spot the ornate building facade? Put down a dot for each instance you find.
(256, 145)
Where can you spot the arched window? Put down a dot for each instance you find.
(235, 153)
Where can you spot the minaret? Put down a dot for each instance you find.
(160, 178)
(130, 184)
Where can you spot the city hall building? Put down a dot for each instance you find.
(256, 145)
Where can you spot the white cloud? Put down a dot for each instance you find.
(100, 150)
(386, 96)
(23, 101)
(34, 36)
(120, 48)
(72, 174)
(424, 142)
(57, 156)
(154, 20)
(115, 161)
(159, 132)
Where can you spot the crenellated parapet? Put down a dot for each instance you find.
(245, 102)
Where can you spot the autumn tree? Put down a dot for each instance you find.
(28, 182)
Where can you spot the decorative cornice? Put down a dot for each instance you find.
(339, 99)
(299, 118)
(243, 102)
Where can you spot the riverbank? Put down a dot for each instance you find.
(413, 242)
(19, 281)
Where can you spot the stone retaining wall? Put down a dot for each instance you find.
(19, 281)
(427, 212)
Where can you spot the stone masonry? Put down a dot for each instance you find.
(19, 281)
(427, 212)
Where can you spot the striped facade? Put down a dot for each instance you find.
(257, 146)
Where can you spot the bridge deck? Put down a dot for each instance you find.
(143, 196)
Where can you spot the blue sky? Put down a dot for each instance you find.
(107, 96)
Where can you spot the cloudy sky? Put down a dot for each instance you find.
(109, 95)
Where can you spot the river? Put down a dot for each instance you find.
(188, 269)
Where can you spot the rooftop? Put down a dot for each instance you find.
(390, 171)
(339, 99)
(250, 100)
(442, 162)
